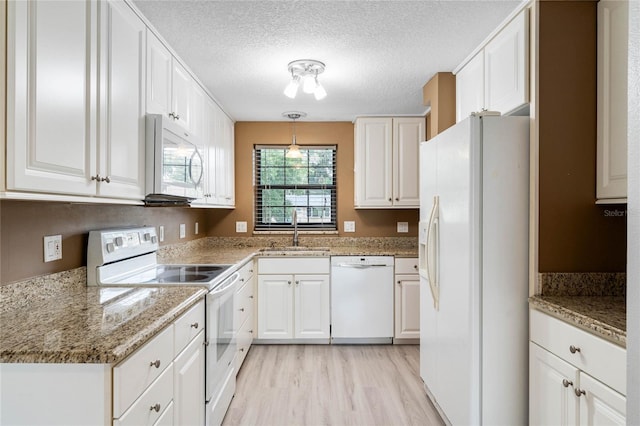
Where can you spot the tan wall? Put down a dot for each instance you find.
(23, 224)
(247, 134)
(440, 94)
(574, 233)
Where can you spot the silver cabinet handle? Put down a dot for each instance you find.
(155, 363)
(106, 179)
(289, 282)
(241, 349)
(251, 297)
(397, 199)
(398, 282)
(579, 392)
(566, 383)
(242, 279)
(573, 349)
(297, 282)
(249, 331)
(96, 177)
(155, 408)
(390, 199)
(241, 309)
(194, 325)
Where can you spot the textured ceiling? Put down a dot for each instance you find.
(378, 54)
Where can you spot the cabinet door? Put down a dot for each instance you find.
(550, 401)
(181, 87)
(158, 76)
(189, 384)
(408, 132)
(225, 177)
(612, 99)
(407, 303)
(197, 111)
(122, 87)
(51, 96)
(506, 65)
(470, 87)
(373, 162)
(275, 307)
(312, 307)
(600, 405)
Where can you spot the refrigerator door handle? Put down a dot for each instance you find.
(433, 243)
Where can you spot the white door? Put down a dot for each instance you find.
(373, 162)
(51, 96)
(600, 405)
(275, 307)
(470, 87)
(408, 132)
(552, 383)
(181, 87)
(407, 302)
(122, 130)
(188, 384)
(158, 76)
(613, 24)
(506, 64)
(311, 307)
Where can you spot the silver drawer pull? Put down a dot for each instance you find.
(241, 309)
(242, 279)
(573, 349)
(250, 297)
(249, 331)
(241, 349)
(566, 383)
(194, 325)
(155, 363)
(579, 392)
(155, 408)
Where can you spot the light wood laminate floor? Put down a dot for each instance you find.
(331, 385)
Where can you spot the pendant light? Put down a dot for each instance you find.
(293, 150)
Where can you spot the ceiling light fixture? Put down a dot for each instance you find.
(293, 150)
(305, 71)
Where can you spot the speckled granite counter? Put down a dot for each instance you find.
(72, 323)
(595, 302)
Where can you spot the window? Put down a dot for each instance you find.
(306, 184)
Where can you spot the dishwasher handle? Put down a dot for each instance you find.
(360, 266)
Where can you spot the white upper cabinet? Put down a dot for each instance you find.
(386, 161)
(613, 24)
(497, 77)
(51, 97)
(181, 88)
(122, 131)
(470, 87)
(159, 62)
(224, 169)
(74, 128)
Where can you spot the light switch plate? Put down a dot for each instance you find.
(183, 230)
(241, 226)
(196, 229)
(52, 248)
(349, 226)
(161, 233)
(403, 227)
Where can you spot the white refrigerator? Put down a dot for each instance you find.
(473, 245)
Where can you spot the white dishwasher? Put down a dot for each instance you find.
(361, 299)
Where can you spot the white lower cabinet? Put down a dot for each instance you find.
(245, 303)
(407, 299)
(188, 384)
(293, 304)
(563, 361)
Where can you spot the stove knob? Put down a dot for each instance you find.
(154, 239)
(119, 241)
(110, 247)
(147, 236)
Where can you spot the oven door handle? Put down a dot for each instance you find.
(227, 284)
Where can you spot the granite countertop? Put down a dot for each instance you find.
(604, 316)
(82, 324)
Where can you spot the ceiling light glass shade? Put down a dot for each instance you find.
(293, 151)
(292, 88)
(319, 93)
(308, 84)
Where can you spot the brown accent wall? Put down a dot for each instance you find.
(247, 134)
(23, 224)
(575, 234)
(440, 94)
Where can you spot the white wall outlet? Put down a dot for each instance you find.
(196, 229)
(52, 248)
(183, 230)
(403, 227)
(349, 226)
(161, 233)
(241, 226)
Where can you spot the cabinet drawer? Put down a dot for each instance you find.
(597, 357)
(294, 266)
(244, 302)
(166, 418)
(151, 405)
(244, 340)
(246, 272)
(188, 326)
(136, 373)
(406, 265)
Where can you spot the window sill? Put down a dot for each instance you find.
(300, 232)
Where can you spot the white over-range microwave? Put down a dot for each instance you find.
(174, 165)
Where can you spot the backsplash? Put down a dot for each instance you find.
(582, 284)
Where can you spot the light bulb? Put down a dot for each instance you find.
(319, 93)
(308, 83)
(293, 152)
(292, 88)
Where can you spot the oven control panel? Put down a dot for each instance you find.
(111, 245)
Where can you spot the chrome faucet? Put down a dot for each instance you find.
(295, 227)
